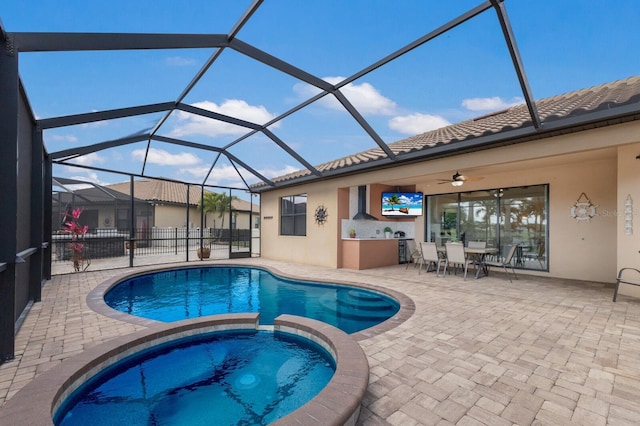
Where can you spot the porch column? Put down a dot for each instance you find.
(9, 87)
(37, 219)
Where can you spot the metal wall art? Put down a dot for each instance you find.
(321, 214)
(583, 210)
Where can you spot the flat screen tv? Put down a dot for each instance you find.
(402, 204)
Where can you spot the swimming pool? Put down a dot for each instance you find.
(178, 294)
(222, 378)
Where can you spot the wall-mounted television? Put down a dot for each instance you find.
(402, 204)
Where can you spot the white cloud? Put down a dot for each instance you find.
(62, 138)
(490, 104)
(180, 61)
(270, 173)
(88, 159)
(191, 124)
(221, 174)
(417, 123)
(364, 97)
(227, 175)
(90, 177)
(165, 158)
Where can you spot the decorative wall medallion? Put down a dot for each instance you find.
(583, 210)
(321, 215)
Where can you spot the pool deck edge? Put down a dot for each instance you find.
(338, 403)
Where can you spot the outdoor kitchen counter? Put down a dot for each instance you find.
(366, 253)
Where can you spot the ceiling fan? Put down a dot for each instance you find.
(458, 179)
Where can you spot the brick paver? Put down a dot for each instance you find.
(477, 352)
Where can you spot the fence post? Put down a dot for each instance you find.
(175, 241)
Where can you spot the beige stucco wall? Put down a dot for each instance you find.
(319, 247)
(587, 163)
(628, 247)
(175, 216)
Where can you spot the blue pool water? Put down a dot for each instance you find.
(194, 292)
(221, 378)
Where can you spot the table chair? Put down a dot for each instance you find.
(430, 256)
(456, 256)
(506, 263)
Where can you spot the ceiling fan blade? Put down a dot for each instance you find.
(457, 177)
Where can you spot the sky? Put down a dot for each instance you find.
(565, 45)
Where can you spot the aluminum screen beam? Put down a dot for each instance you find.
(291, 152)
(88, 149)
(90, 117)
(247, 124)
(203, 70)
(213, 149)
(67, 42)
(279, 64)
(217, 116)
(365, 125)
(510, 39)
(419, 42)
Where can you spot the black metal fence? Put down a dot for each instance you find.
(162, 243)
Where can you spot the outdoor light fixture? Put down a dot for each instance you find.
(457, 182)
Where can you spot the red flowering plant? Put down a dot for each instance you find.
(72, 227)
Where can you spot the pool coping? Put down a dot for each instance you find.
(95, 298)
(338, 403)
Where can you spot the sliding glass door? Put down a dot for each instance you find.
(501, 217)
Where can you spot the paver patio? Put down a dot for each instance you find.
(476, 352)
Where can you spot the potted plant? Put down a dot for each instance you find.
(204, 252)
(352, 232)
(77, 246)
(387, 232)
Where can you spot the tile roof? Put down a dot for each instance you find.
(160, 191)
(169, 192)
(446, 139)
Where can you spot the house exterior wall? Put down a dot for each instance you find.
(176, 216)
(243, 220)
(599, 163)
(319, 247)
(628, 246)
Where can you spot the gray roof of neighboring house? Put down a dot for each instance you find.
(574, 111)
(170, 192)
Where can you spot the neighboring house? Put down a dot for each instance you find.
(102, 207)
(564, 190)
(169, 199)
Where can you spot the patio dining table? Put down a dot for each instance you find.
(479, 255)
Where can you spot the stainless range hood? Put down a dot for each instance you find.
(362, 205)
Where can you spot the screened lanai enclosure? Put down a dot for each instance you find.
(149, 147)
(121, 230)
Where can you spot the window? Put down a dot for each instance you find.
(293, 215)
(501, 217)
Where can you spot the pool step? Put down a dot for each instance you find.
(358, 300)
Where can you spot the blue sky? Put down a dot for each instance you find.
(565, 45)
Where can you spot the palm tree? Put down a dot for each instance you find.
(220, 203)
(393, 200)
